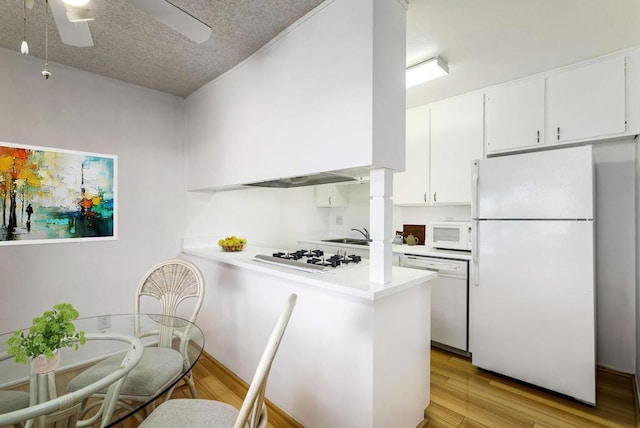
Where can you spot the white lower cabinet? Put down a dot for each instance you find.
(411, 187)
(331, 195)
(456, 140)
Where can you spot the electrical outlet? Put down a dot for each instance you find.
(339, 220)
(104, 322)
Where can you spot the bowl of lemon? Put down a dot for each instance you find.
(232, 243)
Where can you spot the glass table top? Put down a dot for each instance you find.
(149, 328)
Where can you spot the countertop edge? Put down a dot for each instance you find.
(212, 253)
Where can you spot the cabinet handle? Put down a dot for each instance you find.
(425, 196)
(434, 197)
(329, 200)
(558, 133)
(538, 136)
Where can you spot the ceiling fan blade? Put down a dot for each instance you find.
(176, 18)
(71, 33)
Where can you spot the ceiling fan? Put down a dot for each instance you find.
(71, 18)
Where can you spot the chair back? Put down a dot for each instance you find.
(170, 283)
(253, 409)
(63, 410)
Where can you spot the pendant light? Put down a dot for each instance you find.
(46, 72)
(24, 47)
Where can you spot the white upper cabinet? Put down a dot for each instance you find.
(331, 195)
(514, 116)
(411, 187)
(456, 140)
(587, 102)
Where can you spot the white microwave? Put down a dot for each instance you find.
(449, 235)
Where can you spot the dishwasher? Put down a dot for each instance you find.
(449, 300)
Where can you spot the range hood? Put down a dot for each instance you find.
(304, 180)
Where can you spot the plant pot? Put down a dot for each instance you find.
(42, 365)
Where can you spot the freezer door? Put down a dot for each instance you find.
(554, 184)
(532, 315)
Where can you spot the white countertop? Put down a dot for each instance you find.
(420, 250)
(352, 279)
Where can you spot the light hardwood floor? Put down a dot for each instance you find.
(464, 396)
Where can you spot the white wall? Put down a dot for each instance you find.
(306, 102)
(615, 255)
(274, 218)
(81, 111)
(280, 217)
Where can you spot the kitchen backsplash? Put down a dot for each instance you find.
(280, 217)
(356, 214)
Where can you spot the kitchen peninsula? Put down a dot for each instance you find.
(352, 356)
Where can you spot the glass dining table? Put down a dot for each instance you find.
(187, 338)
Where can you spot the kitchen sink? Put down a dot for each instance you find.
(353, 241)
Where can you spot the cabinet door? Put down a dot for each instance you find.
(514, 116)
(456, 140)
(588, 101)
(412, 185)
(331, 195)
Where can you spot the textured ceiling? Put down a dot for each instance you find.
(132, 47)
(485, 42)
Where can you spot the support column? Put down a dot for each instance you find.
(381, 225)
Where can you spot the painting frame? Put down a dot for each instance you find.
(53, 195)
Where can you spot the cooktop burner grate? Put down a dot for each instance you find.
(310, 260)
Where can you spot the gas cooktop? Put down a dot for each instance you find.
(310, 260)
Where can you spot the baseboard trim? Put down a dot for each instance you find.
(277, 417)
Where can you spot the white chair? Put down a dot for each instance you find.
(12, 400)
(170, 283)
(209, 413)
(63, 411)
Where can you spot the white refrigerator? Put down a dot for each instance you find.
(532, 296)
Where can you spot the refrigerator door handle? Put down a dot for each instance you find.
(474, 252)
(474, 189)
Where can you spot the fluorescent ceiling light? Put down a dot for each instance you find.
(76, 3)
(425, 71)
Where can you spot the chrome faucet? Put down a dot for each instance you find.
(365, 233)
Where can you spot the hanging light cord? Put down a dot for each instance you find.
(25, 21)
(46, 72)
(24, 47)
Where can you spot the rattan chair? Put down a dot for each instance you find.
(170, 283)
(12, 400)
(64, 411)
(209, 413)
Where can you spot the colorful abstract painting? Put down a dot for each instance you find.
(56, 195)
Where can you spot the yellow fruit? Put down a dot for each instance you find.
(232, 243)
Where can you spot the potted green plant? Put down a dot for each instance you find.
(53, 330)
